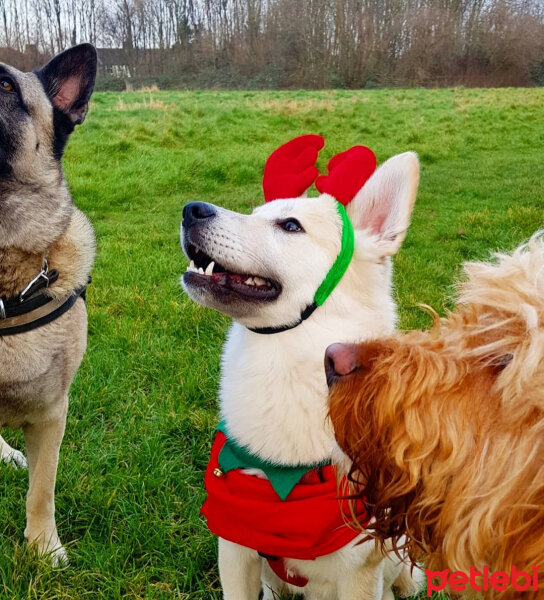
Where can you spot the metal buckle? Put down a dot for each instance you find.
(41, 275)
(2, 310)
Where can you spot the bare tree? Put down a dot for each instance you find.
(291, 43)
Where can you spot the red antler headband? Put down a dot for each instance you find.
(290, 170)
(348, 172)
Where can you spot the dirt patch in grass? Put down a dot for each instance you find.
(286, 106)
(147, 102)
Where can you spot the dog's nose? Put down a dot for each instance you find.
(197, 212)
(340, 360)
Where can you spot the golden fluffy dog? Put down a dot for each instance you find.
(446, 429)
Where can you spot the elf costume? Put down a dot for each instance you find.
(297, 511)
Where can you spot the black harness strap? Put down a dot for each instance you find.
(27, 301)
(31, 300)
(48, 318)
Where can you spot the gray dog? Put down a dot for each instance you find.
(47, 249)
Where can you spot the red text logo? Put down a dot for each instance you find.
(483, 580)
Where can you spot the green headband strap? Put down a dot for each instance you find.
(333, 277)
(342, 261)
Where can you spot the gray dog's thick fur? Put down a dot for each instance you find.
(38, 220)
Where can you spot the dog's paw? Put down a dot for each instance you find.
(410, 581)
(59, 557)
(15, 459)
(48, 547)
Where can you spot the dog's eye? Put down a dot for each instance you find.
(6, 85)
(291, 225)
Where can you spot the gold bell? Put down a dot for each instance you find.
(218, 472)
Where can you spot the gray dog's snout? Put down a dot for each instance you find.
(197, 212)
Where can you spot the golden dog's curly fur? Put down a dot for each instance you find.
(446, 428)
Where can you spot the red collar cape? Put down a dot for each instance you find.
(311, 522)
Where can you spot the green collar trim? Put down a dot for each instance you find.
(332, 279)
(342, 261)
(283, 478)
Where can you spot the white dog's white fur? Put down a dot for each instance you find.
(273, 393)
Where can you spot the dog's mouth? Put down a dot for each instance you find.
(203, 271)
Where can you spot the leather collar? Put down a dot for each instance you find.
(32, 308)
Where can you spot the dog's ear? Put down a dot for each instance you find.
(68, 80)
(384, 204)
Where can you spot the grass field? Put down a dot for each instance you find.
(143, 406)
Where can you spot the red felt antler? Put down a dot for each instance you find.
(290, 170)
(348, 172)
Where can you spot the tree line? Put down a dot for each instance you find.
(288, 43)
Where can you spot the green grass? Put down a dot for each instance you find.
(143, 406)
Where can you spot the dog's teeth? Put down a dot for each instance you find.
(209, 268)
(249, 281)
(259, 281)
(191, 267)
(201, 271)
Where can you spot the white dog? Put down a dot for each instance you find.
(263, 270)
